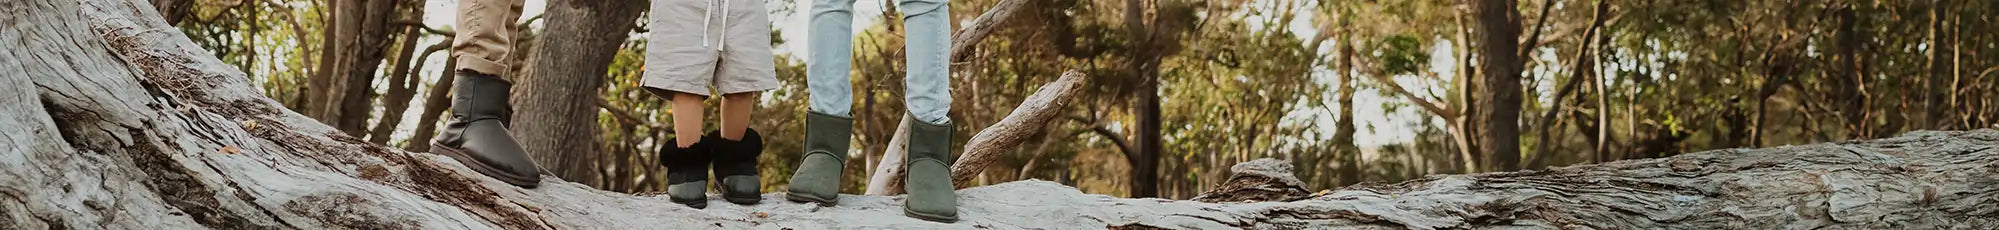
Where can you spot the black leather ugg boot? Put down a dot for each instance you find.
(477, 134)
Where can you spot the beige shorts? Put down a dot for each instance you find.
(698, 44)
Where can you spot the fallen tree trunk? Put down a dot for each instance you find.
(115, 120)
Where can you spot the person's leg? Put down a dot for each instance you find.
(736, 114)
(932, 196)
(485, 35)
(828, 124)
(687, 115)
(680, 70)
(747, 68)
(830, 39)
(477, 135)
(737, 148)
(928, 45)
(688, 155)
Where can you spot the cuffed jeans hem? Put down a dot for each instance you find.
(482, 66)
(932, 117)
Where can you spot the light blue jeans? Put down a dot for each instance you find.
(928, 44)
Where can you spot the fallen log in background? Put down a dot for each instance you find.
(114, 119)
(984, 148)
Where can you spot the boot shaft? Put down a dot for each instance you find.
(478, 96)
(686, 164)
(828, 134)
(930, 141)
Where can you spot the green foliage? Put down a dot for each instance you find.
(1401, 54)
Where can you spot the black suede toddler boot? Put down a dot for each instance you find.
(736, 166)
(686, 171)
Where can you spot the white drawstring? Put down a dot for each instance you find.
(708, 13)
(724, 42)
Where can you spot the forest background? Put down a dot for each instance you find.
(1348, 91)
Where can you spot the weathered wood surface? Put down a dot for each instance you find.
(112, 119)
(1258, 180)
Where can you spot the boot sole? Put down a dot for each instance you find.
(795, 197)
(696, 204)
(928, 217)
(743, 200)
(463, 157)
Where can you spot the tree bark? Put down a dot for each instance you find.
(556, 97)
(1499, 92)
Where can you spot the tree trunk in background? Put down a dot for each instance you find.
(1345, 151)
(340, 94)
(1940, 72)
(1849, 92)
(173, 10)
(397, 102)
(434, 103)
(1145, 164)
(403, 80)
(1462, 127)
(1498, 85)
(555, 99)
(1582, 70)
(1144, 66)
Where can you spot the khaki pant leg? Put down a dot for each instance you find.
(485, 35)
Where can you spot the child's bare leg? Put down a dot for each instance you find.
(686, 163)
(736, 114)
(687, 112)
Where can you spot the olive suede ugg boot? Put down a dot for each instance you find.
(686, 172)
(818, 177)
(736, 166)
(932, 197)
(477, 134)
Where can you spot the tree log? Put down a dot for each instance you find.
(891, 163)
(1035, 112)
(116, 120)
